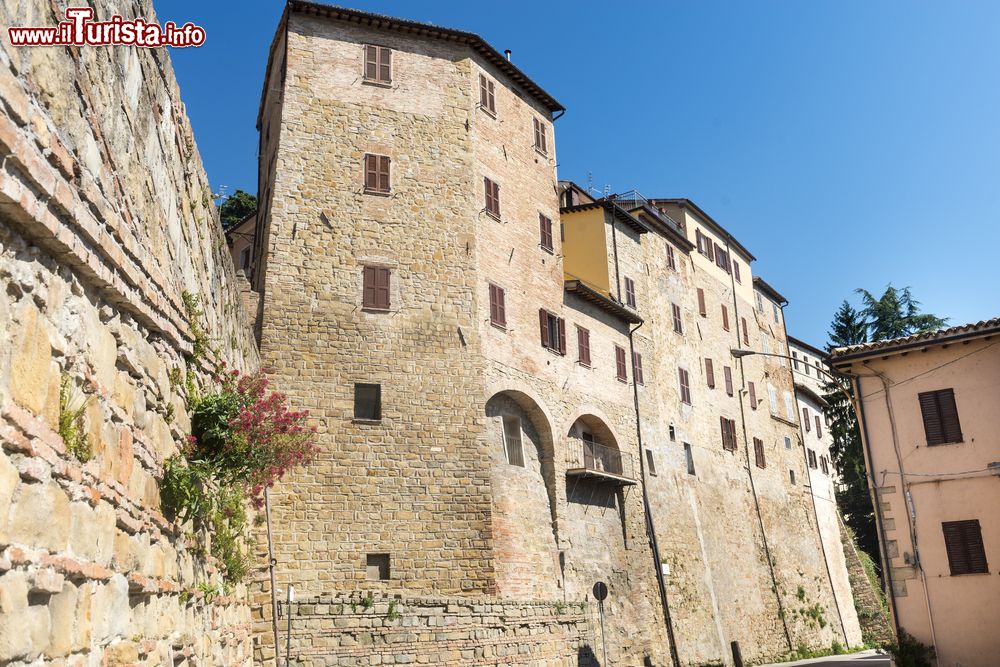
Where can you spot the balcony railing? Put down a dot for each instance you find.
(587, 458)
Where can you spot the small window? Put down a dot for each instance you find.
(583, 346)
(823, 465)
(701, 302)
(498, 307)
(795, 360)
(746, 333)
(805, 419)
(765, 341)
(752, 391)
(940, 415)
(540, 138)
(629, 293)
(492, 190)
(377, 567)
(553, 331)
(512, 441)
(375, 288)
(377, 174)
(728, 434)
(819, 427)
(671, 259)
(788, 442)
(368, 402)
(811, 454)
(725, 317)
(621, 372)
(791, 476)
(678, 320)
(963, 540)
(545, 232)
(789, 408)
(378, 64)
(685, 386)
(637, 368)
(760, 302)
(709, 374)
(650, 464)
(805, 362)
(487, 95)
(689, 458)
(245, 258)
(758, 453)
(673, 433)
(772, 396)
(774, 307)
(736, 271)
(727, 373)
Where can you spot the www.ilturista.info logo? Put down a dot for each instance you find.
(79, 30)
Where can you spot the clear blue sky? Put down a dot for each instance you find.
(847, 144)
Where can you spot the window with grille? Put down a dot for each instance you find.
(512, 441)
(963, 541)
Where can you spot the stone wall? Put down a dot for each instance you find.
(376, 629)
(106, 221)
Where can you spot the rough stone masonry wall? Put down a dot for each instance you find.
(106, 219)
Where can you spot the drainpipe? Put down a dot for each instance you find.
(614, 250)
(746, 449)
(270, 567)
(650, 526)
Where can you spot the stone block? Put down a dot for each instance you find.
(15, 637)
(9, 481)
(62, 613)
(32, 373)
(40, 516)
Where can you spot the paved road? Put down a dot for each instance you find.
(866, 659)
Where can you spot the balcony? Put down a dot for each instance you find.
(589, 459)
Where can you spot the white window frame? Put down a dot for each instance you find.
(504, 419)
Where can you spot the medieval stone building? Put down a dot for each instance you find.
(521, 389)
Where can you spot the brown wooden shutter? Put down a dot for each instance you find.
(368, 291)
(383, 173)
(385, 65)
(752, 390)
(371, 172)
(819, 429)
(709, 374)
(371, 62)
(728, 373)
(545, 231)
(583, 342)
(805, 419)
(736, 271)
(629, 292)
(483, 92)
(637, 368)
(964, 545)
(491, 92)
(940, 415)
(725, 317)
(725, 432)
(746, 334)
(701, 302)
(562, 336)
(758, 452)
(381, 288)
(498, 314)
(620, 370)
(543, 322)
(671, 261)
(708, 248)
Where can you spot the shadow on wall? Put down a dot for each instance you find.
(585, 657)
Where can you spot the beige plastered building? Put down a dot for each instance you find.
(928, 421)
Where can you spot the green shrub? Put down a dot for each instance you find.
(910, 651)
(71, 427)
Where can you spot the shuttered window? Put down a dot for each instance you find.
(940, 415)
(824, 465)
(637, 368)
(736, 271)
(727, 372)
(583, 345)
(375, 290)
(498, 309)
(746, 333)
(629, 293)
(378, 64)
(487, 95)
(805, 418)
(540, 138)
(675, 310)
(492, 197)
(728, 434)
(545, 232)
(772, 396)
(709, 374)
(671, 259)
(963, 540)
(701, 302)
(758, 453)
(725, 317)
(621, 371)
(685, 386)
(819, 428)
(752, 390)
(553, 331)
(811, 455)
(377, 173)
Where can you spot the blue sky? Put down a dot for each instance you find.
(847, 144)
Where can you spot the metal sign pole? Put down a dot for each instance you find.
(601, 594)
(288, 635)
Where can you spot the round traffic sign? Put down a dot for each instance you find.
(600, 591)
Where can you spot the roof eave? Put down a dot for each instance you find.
(588, 293)
(845, 359)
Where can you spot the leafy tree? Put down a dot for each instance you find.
(236, 207)
(893, 314)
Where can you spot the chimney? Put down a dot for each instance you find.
(506, 52)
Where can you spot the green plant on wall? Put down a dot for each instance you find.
(911, 652)
(71, 426)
